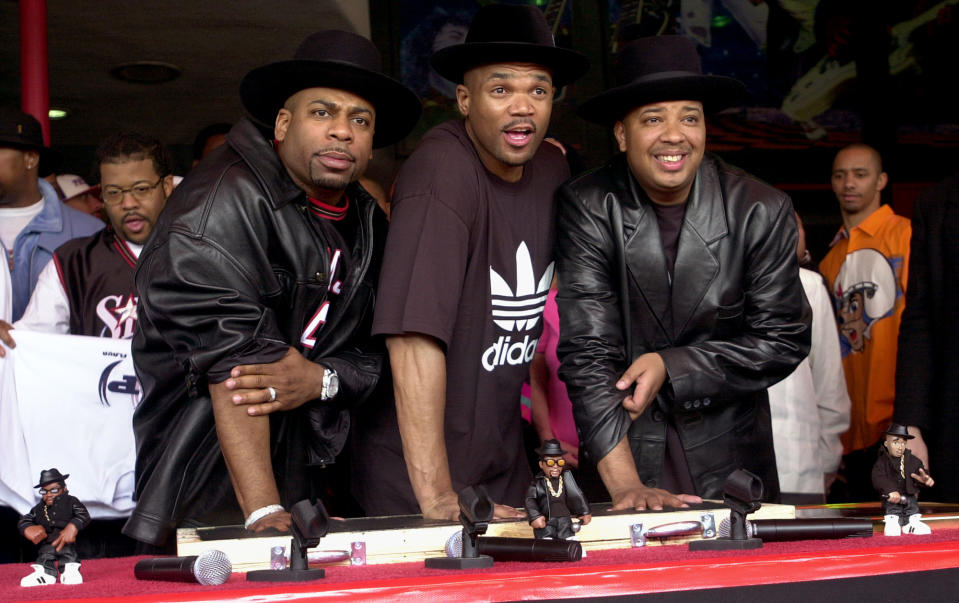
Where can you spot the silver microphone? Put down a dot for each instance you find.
(208, 568)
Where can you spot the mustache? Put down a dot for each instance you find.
(521, 122)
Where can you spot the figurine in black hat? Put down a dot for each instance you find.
(553, 496)
(467, 266)
(255, 296)
(897, 476)
(678, 288)
(53, 525)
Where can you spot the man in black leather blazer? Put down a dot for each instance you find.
(679, 292)
(257, 291)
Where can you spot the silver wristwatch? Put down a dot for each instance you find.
(331, 384)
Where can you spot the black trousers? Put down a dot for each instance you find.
(47, 556)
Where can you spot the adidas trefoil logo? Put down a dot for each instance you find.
(518, 310)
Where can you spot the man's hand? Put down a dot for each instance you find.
(295, 379)
(642, 497)
(539, 523)
(35, 534)
(648, 372)
(446, 506)
(585, 519)
(923, 478)
(894, 497)
(918, 447)
(279, 521)
(68, 535)
(5, 337)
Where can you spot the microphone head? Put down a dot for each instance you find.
(212, 567)
(454, 545)
(723, 531)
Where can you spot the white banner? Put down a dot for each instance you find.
(67, 401)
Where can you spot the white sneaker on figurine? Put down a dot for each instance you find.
(916, 527)
(71, 574)
(892, 526)
(38, 578)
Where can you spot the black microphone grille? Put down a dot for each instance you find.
(212, 567)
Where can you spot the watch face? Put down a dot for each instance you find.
(334, 384)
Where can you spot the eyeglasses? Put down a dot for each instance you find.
(54, 491)
(141, 191)
(555, 462)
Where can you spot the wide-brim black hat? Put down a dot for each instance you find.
(49, 476)
(22, 131)
(550, 448)
(899, 431)
(502, 33)
(334, 59)
(655, 69)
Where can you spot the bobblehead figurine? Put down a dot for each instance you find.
(53, 525)
(554, 496)
(897, 476)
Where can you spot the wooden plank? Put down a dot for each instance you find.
(411, 538)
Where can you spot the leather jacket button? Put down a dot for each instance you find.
(707, 401)
(320, 277)
(687, 404)
(697, 403)
(657, 415)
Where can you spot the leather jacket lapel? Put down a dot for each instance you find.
(645, 261)
(696, 264)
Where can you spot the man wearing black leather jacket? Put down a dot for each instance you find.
(679, 291)
(257, 291)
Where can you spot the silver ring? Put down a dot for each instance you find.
(272, 394)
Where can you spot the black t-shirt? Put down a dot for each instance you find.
(469, 261)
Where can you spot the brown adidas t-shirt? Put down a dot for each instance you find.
(469, 261)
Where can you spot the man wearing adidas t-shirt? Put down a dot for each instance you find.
(88, 287)
(466, 274)
(256, 296)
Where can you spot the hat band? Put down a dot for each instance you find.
(661, 75)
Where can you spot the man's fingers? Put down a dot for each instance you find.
(506, 512)
(264, 409)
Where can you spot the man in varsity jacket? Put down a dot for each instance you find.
(88, 288)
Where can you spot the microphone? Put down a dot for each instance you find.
(208, 568)
(518, 549)
(782, 530)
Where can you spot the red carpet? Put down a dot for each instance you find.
(105, 578)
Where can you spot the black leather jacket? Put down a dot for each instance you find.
(537, 499)
(740, 320)
(234, 272)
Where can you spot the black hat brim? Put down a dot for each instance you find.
(454, 61)
(716, 92)
(264, 90)
(60, 479)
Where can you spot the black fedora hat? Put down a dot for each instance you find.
(22, 131)
(900, 431)
(550, 448)
(502, 33)
(49, 476)
(660, 68)
(334, 59)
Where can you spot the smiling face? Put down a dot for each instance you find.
(134, 216)
(852, 321)
(507, 108)
(664, 144)
(325, 140)
(49, 496)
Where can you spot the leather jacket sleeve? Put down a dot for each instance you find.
(81, 517)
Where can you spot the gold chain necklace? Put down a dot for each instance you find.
(549, 485)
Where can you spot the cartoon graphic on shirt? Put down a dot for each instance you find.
(866, 291)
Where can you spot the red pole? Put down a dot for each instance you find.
(34, 73)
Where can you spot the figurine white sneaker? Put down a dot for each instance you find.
(916, 527)
(71, 574)
(38, 578)
(892, 526)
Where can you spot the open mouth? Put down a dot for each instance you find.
(519, 136)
